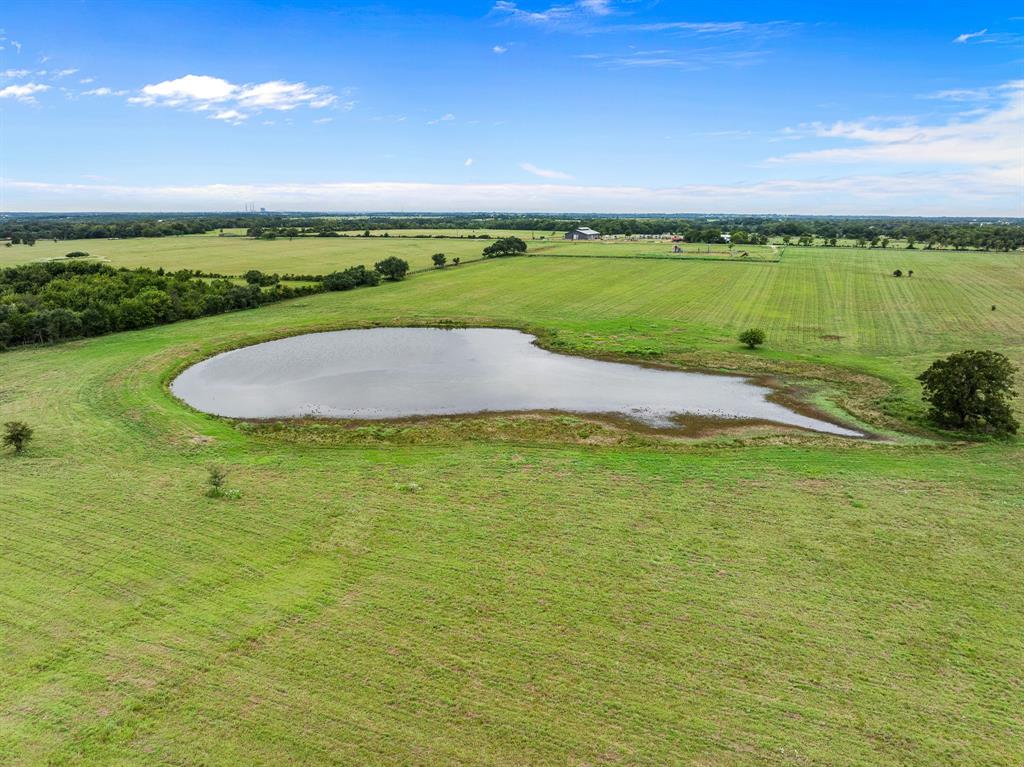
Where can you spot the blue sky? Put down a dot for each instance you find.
(597, 105)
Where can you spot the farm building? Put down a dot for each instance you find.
(583, 233)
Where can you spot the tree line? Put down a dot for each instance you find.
(957, 233)
(54, 301)
(58, 300)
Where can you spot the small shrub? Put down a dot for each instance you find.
(216, 481)
(898, 273)
(456, 261)
(17, 434)
(256, 277)
(752, 338)
(76, 254)
(353, 277)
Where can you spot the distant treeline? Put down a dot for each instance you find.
(959, 233)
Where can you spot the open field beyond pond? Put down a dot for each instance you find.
(235, 255)
(320, 255)
(518, 590)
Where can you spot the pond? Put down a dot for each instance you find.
(402, 372)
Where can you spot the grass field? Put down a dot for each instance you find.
(235, 255)
(506, 593)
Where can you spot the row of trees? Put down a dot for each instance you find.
(58, 300)
(959, 233)
(47, 302)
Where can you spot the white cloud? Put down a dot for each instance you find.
(985, 143)
(323, 120)
(14, 73)
(543, 172)
(499, 49)
(24, 93)
(588, 16)
(187, 90)
(469, 161)
(234, 102)
(283, 96)
(63, 73)
(232, 116)
(969, 36)
(86, 80)
(554, 14)
(17, 45)
(962, 94)
(599, 7)
(104, 92)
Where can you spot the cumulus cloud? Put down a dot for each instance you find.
(499, 49)
(543, 172)
(24, 93)
(234, 102)
(15, 73)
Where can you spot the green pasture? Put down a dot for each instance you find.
(527, 235)
(511, 590)
(236, 255)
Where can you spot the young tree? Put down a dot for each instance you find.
(439, 260)
(392, 268)
(506, 246)
(216, 479)
(456, 261)
(752, 338)
(898, 273)
(971, 389)
(17, 435)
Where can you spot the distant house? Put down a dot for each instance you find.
(583, 233)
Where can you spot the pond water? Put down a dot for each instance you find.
(401, 372)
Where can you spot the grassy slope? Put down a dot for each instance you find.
(801, 604)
